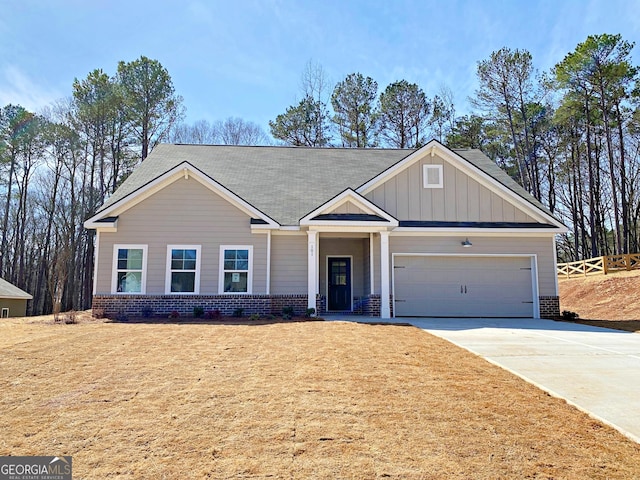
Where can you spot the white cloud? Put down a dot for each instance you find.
(18, 88)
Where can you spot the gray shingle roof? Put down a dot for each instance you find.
(8, 290)
(286, 183)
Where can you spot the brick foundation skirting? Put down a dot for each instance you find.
(321, 304)
(162, 305)
(549, 307)
(368, 305)
(371, 306)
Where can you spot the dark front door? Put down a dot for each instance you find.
(339, 295)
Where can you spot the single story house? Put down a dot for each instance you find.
(379, 232)
(13, 301)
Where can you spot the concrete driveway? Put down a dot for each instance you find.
(595, 369)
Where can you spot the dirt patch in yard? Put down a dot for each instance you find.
(293, 400)
(609, 301)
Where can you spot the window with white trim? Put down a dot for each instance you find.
(236, 269)
(183, 269)
(432, 176)
(5, 313)
(129, 269)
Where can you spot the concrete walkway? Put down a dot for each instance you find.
(595, 369)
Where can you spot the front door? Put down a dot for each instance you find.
(339, 288)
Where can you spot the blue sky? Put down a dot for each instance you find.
(245, 58)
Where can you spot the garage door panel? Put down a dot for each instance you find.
(450, 286)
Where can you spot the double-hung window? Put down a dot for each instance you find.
(236, 263)
(129, 269)
(183, 269)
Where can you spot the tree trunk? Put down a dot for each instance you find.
(623, 184)
(5, 221)
(592, 184)
(612, 169)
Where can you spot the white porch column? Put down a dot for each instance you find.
(312, 268)
(372, 275)
(385, 309)
(268, 262)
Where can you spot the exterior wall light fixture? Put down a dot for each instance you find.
(466, 243)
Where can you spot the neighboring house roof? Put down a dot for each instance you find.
(287, 183)
(8, 290)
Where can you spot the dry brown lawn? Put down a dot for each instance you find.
(325, 400)
(609, 301)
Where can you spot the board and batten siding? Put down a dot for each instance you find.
(541, 246)
(462, 198)
(289, 264)
(183, 213)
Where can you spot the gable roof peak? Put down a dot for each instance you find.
(288, 182)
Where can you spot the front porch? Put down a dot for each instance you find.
(345, 273)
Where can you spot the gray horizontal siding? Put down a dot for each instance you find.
(184, 212)
(289, 264)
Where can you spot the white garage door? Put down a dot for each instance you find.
(431, 286)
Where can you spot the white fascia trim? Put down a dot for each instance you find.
(359, 227)
(467, 167)
(342, 198)
(184, 170)
(92, 224)
(338, 224)
(288, 231)
(350, 223)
